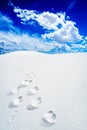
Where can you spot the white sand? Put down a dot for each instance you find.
(61, 80)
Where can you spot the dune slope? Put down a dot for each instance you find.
(33, 84)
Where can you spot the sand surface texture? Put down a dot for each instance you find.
(41, 92)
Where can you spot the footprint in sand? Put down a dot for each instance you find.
(33, 91)
(26, 82)
(11, 119)
(34, 104)
(48, 119)
(16, 102)
(13, 92)
(30, 75)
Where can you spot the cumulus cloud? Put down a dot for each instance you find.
(46, 19)
(15, 42)
(67, 34)
(25, 15)
(10, 42)
(64, 30)
(50, 20)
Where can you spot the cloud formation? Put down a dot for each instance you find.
(64, 38)
(64, 30)
(10, 42)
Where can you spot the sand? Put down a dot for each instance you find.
(40, 91)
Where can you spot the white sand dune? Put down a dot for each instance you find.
(55, 84)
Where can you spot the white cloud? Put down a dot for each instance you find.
(15, 42)
(24, 14)
(86, 37)
(12, 41)
(46, 19)
(68, 32)
(50, 20)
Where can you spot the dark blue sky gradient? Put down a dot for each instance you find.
(76, 9)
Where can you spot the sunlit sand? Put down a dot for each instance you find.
(39, 90)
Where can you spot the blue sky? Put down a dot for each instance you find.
(48, 26)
